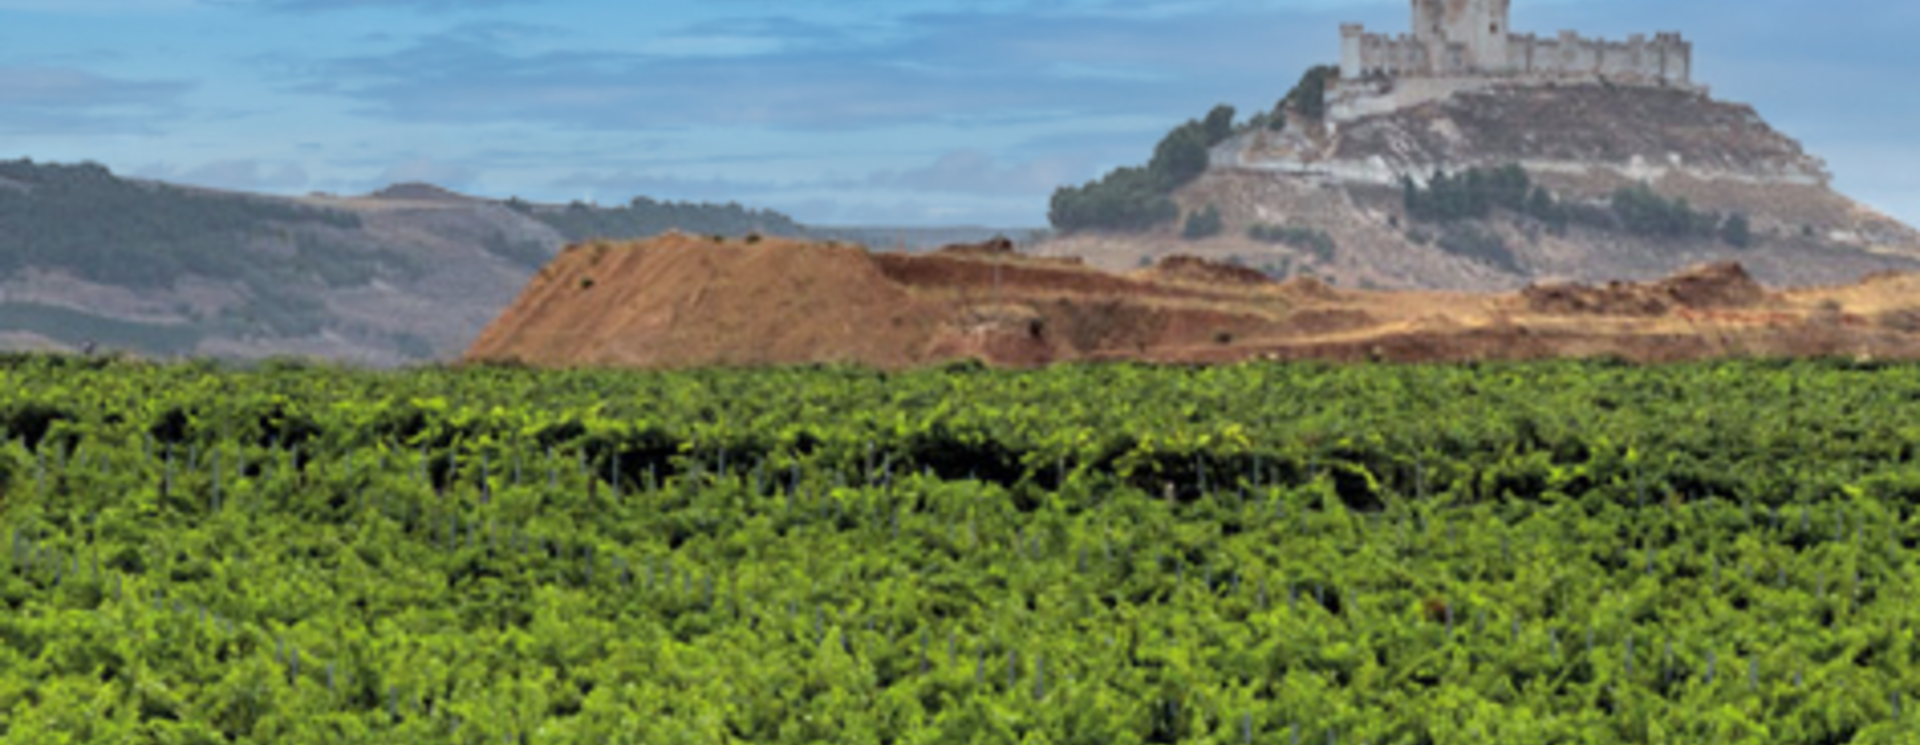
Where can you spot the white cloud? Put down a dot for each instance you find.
(247, 174)
(929, 211)
(239, 174)
(66, 102)
(69, 88)
(968, 171)
(625, 184)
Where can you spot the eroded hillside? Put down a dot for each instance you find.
(682, 301)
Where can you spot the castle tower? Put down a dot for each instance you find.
(1479, 27)
(1353, 51)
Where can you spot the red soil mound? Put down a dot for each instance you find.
(1706, 287)
(679, 301)
(682, 299)
(1196, 269)
(997, 246)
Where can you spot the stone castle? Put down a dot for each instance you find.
(1472, 39)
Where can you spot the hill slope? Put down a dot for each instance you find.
(409, 273)
(87, 257)
(680, 301)
(1579, 143)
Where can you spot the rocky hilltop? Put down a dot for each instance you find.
(1343, 179)
(1617, 132)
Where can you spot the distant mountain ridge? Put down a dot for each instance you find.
(409, 273)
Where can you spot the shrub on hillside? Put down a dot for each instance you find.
(1180, 157)
(1137, 198)
(1736, 231)
(1475, 193)
(1308, 97)
(1469, 195)
(1203, 224)
(1542, 206)
(1479, 244)
(1126, 199)
(1316, 242)
(1643, 212)
(1218, 125)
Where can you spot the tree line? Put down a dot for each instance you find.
(643, 217)
(1475, 193)
(1140, 198)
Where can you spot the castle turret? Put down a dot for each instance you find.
(1353, 41)
(1471, 32)
(1673, 57)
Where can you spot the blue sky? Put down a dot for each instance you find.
(843, 111)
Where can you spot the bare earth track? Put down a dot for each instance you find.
(680, 301)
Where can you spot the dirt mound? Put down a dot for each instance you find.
(677, 301)
(1723, 285)
(1007, 334)
(681, 301)
(1182, 267)
(998, 245)
(1720, 286)
(1308, 288)
(1577, 299)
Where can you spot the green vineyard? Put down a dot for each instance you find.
(1515, 554)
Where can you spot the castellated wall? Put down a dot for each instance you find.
(1666, 58)
(1364, 54)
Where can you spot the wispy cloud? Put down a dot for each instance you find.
(620, 185)
(323, 6)
(968, 171)
(65, 87)
(831, 210)
(974, 69)
(74, 101)
(244, 174)
(957, 172)
(427, 170)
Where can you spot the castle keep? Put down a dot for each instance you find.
(1471, 39)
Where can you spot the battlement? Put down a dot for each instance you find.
(1471, 39)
